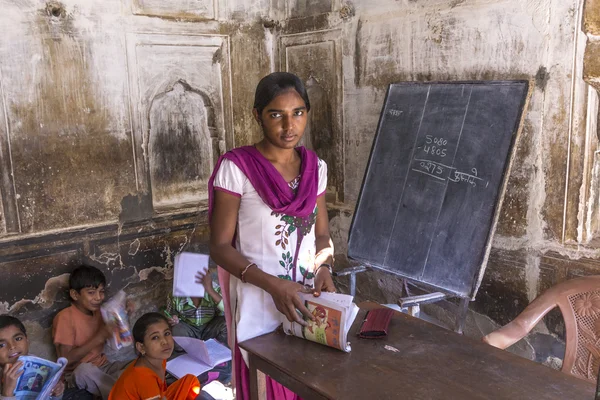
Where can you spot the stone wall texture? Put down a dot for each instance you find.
(112, 114)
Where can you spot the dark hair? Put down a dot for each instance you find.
(7, 320)
(273, 85)
(142, 324)
(85, 276)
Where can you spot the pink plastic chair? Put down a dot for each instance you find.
(579, 302)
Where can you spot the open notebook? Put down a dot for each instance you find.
(201, 356)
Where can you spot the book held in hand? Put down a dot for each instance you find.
(187, 266)
(39, 377)
(201, 356)
(334, 314)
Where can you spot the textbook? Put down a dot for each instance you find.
(201, 356)
(187, 265)
(39, 377)
(334, 314)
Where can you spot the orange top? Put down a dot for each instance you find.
(141, 383)
(71, 327)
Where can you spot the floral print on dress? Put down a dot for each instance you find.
(302, 226)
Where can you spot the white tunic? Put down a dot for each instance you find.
(271, 241)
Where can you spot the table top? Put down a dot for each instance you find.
(430, 363)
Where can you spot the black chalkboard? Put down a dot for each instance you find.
(430, 192)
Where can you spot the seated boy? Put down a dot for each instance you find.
(198, 317)
(79, 334)
(13, 344)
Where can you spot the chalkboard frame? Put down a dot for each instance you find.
(515, 135)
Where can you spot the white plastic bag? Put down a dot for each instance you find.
(115, 314)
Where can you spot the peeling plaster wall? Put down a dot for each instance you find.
(79, 159)
(547, 228)
(96, 101)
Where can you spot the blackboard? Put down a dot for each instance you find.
(431, 189)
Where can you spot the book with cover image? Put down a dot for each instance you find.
(201, 356)
(39, 377)
(334, 314)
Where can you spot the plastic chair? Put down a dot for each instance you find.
(579, 302)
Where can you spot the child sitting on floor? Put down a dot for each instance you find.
(79, 334)
(198, 317)
(13, 344)
(144, 379)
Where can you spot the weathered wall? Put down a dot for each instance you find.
(112, 115)
(103, 104)
(548, 226)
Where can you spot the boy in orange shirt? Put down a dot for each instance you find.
(79, 334)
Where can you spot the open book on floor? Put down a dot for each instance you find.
(201, 356)
(334, 314)
(39, 377)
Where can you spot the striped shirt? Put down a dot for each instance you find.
(187, 312)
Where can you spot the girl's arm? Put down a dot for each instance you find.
(324, 246)
(222, 230)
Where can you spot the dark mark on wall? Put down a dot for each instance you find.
(357, 54)
(135, 208)
(347, 11)
(541, 78)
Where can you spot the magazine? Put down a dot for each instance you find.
(201, 356)
(39, 377)
(187, 265)
(334, 314)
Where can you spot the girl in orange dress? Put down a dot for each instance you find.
(144, 379)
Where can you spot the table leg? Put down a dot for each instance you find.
(253, 377)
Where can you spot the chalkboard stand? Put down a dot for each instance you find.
(429, 200)
(412, 304)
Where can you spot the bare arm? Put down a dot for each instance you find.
(324, 247)
(75, 353)
(222, 230)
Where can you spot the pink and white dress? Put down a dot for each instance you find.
(275, 242)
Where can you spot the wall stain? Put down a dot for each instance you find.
(357, 54)
(69, 167)
(541, 78)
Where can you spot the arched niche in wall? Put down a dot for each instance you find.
(180, 99)
(182, 137)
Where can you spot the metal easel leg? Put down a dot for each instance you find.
(461, 317)
(352, 285)
(352, 271)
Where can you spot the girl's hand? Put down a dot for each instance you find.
(58, 389)
(287, 301)
(323, 282)
(10, 376)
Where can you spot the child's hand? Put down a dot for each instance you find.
(174, 320)
(130, 307)
(10, 376)
(205, 279)
(59, 388)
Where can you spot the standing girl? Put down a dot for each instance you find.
(269, 223)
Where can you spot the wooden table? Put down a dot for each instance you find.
(432, 363)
